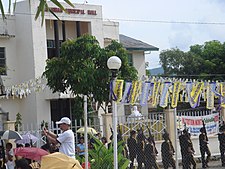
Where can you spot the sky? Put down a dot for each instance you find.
(165, 36)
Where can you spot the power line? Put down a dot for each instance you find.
(169, 22)
(193, 75)
(137, 20)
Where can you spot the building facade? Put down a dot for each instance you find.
(26, 44)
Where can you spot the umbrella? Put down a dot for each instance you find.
(89, 130)
(32, 153)
(27, 138)
(10, 134)
(59, 161)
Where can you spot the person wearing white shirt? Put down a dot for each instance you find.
(65, 139)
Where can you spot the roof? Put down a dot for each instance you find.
(134, 44)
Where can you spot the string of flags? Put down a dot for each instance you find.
(155, 91)
(26, 88)
(163, 91)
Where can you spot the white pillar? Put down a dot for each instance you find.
(85, 132)
(114, 110)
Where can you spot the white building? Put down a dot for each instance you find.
(25, 44)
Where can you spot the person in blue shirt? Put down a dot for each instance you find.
(81, 147)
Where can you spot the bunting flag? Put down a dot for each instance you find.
(135, 91)
(118, 90)
(155, 93)
(145, 93)
(164, 94)
(204, 91)
(188, 92)
(175, 94)
(150, 93)
(24, 89)
(128, 86)
(196, 90)
(210, 95)
(222, 88)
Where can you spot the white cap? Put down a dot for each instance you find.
(65, 120)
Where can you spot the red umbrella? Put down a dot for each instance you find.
(32, 153)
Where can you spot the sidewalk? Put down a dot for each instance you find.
(212, 164)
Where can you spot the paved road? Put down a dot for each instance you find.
(212, 164)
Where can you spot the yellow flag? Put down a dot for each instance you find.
(136, 90)
(222, 88)
(196, 90)
(118, 90)
(155, 93)
(175, 94)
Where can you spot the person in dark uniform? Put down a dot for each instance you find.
(140, 148)
(150, 155)
(132, 145)
(187, 150)
(221, 138)
(204, 149)
(167, 152)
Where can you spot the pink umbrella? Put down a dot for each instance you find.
(32, 153)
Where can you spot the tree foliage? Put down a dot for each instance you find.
(201, 61)
(82, 68)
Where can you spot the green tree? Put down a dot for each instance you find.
(18, 123)
(82, 68)
(172, 60)
(201, 61)
(147, 72)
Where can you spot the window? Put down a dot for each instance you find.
(130, 59)
(51, 48)
(2, 61)
(50, 44)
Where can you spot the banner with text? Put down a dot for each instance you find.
(194, 123)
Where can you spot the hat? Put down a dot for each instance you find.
(65, 120)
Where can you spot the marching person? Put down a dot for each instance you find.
(167, 152)
(150, 154)
(140, 148)
(65, 139)
(203, 142)
(132, 145)
(187, 150)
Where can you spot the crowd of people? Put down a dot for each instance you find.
(143, 149)
(140, 150)
(10, 161)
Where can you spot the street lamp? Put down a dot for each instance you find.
(114, 64)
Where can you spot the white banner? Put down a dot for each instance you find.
(194, 123)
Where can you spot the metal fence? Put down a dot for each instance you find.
(153, 124)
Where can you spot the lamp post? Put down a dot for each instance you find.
(114, 64)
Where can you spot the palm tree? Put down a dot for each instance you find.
(43, 6)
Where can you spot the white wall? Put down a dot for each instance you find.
(26, 53)
(111, 30)
(139, 62)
